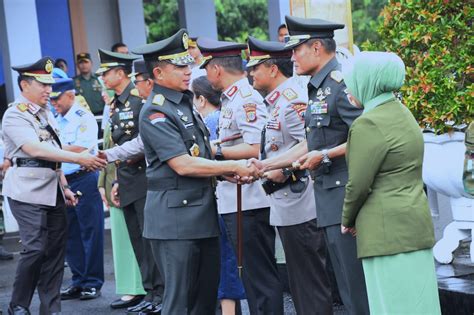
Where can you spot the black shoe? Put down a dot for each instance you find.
(71, 293)
(138, 308)
(90, 294)
(18, 310)
(125, 304)
(153, 309)
(5, 255)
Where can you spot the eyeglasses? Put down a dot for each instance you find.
(138, 81)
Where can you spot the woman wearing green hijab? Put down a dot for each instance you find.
(385, 205)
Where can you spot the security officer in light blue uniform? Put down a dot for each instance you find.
(85, 245)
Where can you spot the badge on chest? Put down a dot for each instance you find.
(318, 108)
(126, 115)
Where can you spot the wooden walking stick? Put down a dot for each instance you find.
(239, 229)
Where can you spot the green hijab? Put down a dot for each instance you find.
(372, 77)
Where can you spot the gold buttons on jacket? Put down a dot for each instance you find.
(185, 202)
(286, 194)
(338, 182)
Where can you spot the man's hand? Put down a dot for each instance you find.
(310, 160)
(71, 198)
(90, 162)
(7, 163)
(114, 195)
(276, 176)
(345, 230)
(102, 155)
(104, 199)
(257, 163)
(246, 173)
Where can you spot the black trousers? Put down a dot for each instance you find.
(305, 255)
(191, 270)
(260, 275)
(43, 235)
(151, 277)
(348, 270)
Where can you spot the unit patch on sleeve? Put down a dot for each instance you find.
(300, 109)
(250, 112)
(157, 117)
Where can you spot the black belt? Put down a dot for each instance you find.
(27, 162)
(76, 175)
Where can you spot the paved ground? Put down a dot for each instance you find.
(77, 307)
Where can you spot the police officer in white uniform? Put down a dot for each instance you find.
(243, 116)
(293, 208)
(37, 189)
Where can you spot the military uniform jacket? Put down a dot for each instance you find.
(91, 90)
(328, 118)
(124, 115)
(244, 113)
(20, 125)
(284, 129)
(177, 207)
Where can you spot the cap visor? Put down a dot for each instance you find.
(45, 79)
(133, 74)
(255, 62)
(54, 95)
(102, 70)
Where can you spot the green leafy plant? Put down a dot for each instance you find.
(435, 40)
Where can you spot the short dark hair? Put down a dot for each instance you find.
(329, 44)
(58, 61)
(285, 65)
(24, 78)
(150, 65)
(117, 45)
(202, 86)
(282, 26)
(231, 64)
(126, 70)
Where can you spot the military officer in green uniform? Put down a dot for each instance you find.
(88, 85)
(181, 212)
(129, 192)
(328, 117)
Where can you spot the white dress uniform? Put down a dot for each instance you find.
(243, 112)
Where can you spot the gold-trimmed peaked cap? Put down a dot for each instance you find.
(41, 70)
(173, 49)
(60, 86)
(301, 30)
(109, 60)
(211, 48)
(260, 51)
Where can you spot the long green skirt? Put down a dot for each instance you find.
(128, 279)
(402, 284)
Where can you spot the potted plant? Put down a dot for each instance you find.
(435, 40)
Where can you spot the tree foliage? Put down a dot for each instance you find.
(236, 20)
(161, 18)
(365, 17)
(435, 40)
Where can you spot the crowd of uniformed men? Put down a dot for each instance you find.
(169, 213)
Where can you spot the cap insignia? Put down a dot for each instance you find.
(185, 40)
(49, 66)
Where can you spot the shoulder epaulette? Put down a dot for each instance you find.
(158, 99)
(245, 92)
(23, 107)
(336, 75)
(290, 94)
(11, 104)
(134, 92)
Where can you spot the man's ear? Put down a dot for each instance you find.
(24, 84)
(158, 73)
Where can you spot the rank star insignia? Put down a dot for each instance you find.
(158, 99)
(194, 150)
(184, 118)
(128, 132)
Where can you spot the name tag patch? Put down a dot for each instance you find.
(318, 108)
